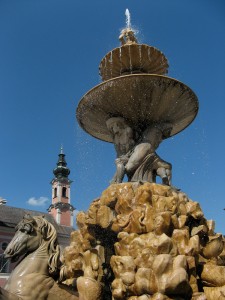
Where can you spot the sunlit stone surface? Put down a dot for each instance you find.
(145, 241)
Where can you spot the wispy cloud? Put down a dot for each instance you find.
(41, 201)
(75, 213)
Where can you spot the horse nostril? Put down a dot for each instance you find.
(7, 252)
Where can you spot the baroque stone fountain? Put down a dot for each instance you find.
(139, 240)
(136, 107)
(142, 240)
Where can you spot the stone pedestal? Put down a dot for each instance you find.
(142, 241)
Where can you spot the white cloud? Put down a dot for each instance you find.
(75, 213)
(41, 201)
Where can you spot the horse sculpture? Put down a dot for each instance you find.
(35, 276)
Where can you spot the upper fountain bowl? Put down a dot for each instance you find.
(133, 58)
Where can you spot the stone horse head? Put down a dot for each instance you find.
(35, 244)
(34, 233)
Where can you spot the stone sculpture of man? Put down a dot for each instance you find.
(133, 149)
(124, 142)
(127, 37)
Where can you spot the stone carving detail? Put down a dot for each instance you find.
(127, 37)
(135, 150)
(145, 241)
(138, 241)
(35, 244)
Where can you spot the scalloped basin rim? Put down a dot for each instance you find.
(134, 45)
(133, 57)
(142, 99)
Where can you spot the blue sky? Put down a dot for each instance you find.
(49, 56)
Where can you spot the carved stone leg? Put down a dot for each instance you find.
(120, 172)
(165, 173)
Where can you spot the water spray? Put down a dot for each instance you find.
(128, 22)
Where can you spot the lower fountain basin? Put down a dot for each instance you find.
(142, 99)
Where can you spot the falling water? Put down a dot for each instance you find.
(131, 67)
(105, 66)
(111, 62)
(120, 55)
(127, 14)
(149, 54)
(140, 56)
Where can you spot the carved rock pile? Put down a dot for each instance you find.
(142, 241)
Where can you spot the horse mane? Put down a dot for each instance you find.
(50, 236)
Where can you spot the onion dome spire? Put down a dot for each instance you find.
(61, 171)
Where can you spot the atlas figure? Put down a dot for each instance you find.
(136, 156)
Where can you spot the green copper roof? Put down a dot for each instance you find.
(61, 171)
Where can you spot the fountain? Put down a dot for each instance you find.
(151, 240)
(136, 94)
(141, 240)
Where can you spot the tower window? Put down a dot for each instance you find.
(55, 192)
(64, 192)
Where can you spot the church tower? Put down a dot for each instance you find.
(61, 208)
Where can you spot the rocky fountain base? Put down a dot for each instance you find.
(145, 241)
